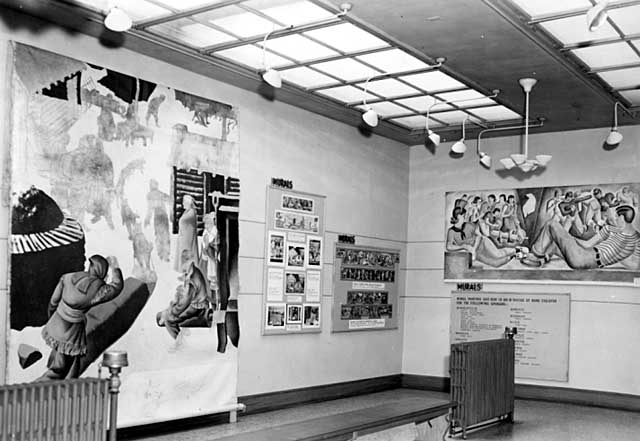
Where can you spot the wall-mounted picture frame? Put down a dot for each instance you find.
(277, 243)
(314, 252)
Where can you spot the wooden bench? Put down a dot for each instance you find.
(350, 425)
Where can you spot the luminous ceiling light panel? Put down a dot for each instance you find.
(453, 117)
(422, 103)
(495, 113)
(433, 81)
(307, 78)
(475, 98)
(633, 96)
(346, 94)
(346, 69)
(251, 56)
(389, 88)
(607, 55)
(194, 34)
(574, 30)
(385, 108)
(292, 13)
(347, 38)
(622, 78)
(544, 7)
(183, 5)
(244, 24)
(394, 60)
(299, 48)
(627, 19)
(412, 122)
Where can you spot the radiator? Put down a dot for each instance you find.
(482, 383)
(67, 410)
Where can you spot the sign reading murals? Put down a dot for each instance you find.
(124, 232)
(586, 233)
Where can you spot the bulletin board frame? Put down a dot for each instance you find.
(365, 288)
(293, 263)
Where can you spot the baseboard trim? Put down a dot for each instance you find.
(294, 397)
(584, 397)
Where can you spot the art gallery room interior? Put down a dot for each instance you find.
(376, 220)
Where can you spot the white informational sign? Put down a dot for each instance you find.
(366, 324)
(275, 284)
(542, 341)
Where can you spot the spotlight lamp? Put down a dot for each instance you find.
(370, 116)
(460, 147)
(522, 160)
(597, 15)
(614, 137)
(269, 74)
(117, 20)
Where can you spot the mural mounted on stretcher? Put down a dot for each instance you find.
(124, 233)
(583, 233)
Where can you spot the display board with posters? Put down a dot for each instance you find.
(542, 321)
(293, 262)
(365, 288)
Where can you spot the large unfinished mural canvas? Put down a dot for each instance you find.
(124, 234)
(581, 233)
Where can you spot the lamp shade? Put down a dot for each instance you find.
(485, 160)
(518, 158)
(272, 77)
(434, 137)
(527, 166)
(370, 117)
(459, 147)
(614, 137)
(543, 160)
(597, 15)
(507, 163)
(117, 20)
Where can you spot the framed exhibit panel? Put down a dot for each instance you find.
(579, 234)
(293, 262)
(365, 288)
(542, 320)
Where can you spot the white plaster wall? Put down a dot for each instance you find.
(605, 321)
(366, 183)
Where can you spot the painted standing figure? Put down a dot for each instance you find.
(75, 294)
(157, 202)
(187, 232)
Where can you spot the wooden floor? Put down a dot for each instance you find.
(534, 420)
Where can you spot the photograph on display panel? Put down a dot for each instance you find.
(581, 233)
(296, 253)
(124, 232)
(314, 252)
(297, 203)
(277, 242)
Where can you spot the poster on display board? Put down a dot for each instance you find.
(577, 234)
(293, 262)
(365, 288)
(124, 234)
(542, 322)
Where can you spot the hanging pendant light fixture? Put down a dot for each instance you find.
(460, 147)
(614, 137)
(370, 116)
(117, 20)
(269, 75)
(522, 160)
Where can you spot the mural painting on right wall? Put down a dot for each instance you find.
(573, 234)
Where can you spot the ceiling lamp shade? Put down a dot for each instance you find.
(614, 137)
(272, 77)
(522, 160)
(433, 137)
(117, 20)
(460, 147)
(370, 117)
(485, 160)
(597, 15)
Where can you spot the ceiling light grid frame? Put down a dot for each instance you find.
(141, 30)
(569, 50)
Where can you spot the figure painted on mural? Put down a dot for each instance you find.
(617, 242)
(142, 249)
(157, 202)
(211, 251)
(153, 107)
(187, 232)
(106, 125)
(75, 294)
(128, 217)
(192, 300)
